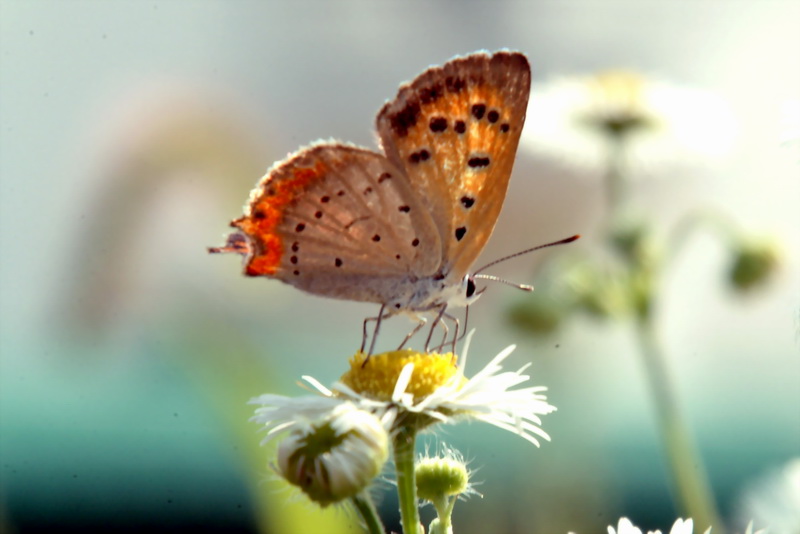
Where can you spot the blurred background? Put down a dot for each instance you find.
(132, 132)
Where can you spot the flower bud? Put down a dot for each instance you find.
(754, 262)
(441, 477)
(334, 458)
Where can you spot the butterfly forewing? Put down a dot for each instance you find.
(339, 221)
(455, 131)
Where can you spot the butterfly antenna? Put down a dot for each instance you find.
(520, 253)
(524, 287)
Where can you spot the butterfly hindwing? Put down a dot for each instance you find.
(339, 221)
(455, 131)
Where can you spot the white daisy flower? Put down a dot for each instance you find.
(407, 387)
(573, 120)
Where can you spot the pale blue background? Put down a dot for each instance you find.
(107, 408)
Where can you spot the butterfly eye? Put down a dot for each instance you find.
(470, 287)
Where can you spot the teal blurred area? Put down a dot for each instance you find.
(132, 132)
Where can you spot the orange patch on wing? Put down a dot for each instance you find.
(266, 213)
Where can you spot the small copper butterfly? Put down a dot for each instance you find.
(400, 227)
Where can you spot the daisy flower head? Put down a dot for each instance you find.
(408, 388)
(333, 451)
(573, 119)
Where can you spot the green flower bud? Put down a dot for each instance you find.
(539, 315)
(441, 477)
(753, 264)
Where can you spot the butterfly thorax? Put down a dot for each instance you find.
(435, 292)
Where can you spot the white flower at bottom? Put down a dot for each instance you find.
(331, 457)
(774, 499)
(624, 527)
(681, 526)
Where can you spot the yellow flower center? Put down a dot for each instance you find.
(377, 378)
(618, 102)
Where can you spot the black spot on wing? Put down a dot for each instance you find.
(405, 119)
(478, 162)
(420, 155)
(438, 124)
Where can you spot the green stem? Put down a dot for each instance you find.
(368, 513)
(615, 174)
(444, 510)
(690, 484)
(403, 446)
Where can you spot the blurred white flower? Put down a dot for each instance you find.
(624, 527)
(573, 119)
(774, 500)
(790, 122)
(681, 526)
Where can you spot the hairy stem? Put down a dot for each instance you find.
(403, 446)
(368, 513)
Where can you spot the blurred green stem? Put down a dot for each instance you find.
(689, 224)
(689, 481)
(368, 513)
(403, 446)
(690, 484)
(615, 173)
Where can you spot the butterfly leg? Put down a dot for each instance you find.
(456, 338)
(457, 326)
(364, 335)
(421, 321)
(433, 326)
(445, 332)
(381, 316)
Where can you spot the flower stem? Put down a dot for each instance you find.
(368, 513)
(690, 484)
(615, 174)
(403, 446)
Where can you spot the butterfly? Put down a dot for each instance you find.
(401, 227)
